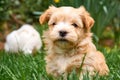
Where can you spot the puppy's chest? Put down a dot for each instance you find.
(62, 61)
(65, 62)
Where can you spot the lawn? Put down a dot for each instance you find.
(32, 67)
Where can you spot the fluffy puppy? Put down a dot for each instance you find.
(68, 41)
(25, 39)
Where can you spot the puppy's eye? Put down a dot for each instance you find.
(53, 23)
(75, 25)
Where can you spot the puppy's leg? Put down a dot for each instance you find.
(101, 67)
(87, 70)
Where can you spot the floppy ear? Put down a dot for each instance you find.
(46, 15)
(88, 21)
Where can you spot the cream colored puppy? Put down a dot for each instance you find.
(25, 39)
(68, 40)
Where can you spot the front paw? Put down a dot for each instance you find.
(55, 71)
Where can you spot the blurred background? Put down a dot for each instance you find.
(106, 13)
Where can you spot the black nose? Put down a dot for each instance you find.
(62, 33)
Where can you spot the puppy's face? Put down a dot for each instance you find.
(67, 25)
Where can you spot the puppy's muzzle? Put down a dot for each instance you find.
(62, 33)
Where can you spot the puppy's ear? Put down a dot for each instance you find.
(46, 15)
(88, 21)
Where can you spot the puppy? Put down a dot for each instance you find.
(25, 39)
(68, 42)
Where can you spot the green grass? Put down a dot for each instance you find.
(32, 67)
(28, 67)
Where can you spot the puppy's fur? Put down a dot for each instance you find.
(68, 40)
(25, 39)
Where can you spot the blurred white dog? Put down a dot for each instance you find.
(25, 39)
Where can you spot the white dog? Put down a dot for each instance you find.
(25, 39)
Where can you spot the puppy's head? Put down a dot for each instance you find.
(67, 25)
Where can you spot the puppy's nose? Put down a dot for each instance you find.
(62, 33)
